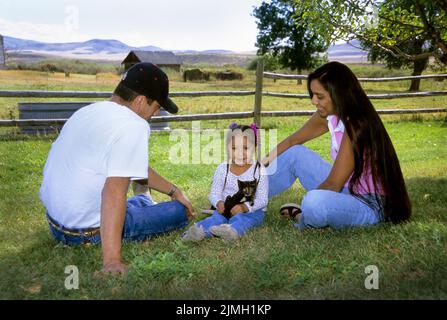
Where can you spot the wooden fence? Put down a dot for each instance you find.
(257, 114)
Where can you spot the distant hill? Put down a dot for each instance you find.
(114, 50)
(90, 46)
(11, 43)
(212, 51)
(345, 52)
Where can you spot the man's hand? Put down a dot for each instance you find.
(220, 207)
(162, 185)
(180, 197)
(112, 268)
(239, 208)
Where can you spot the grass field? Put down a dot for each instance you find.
(274, 261)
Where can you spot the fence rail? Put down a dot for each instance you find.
(257, 112)
(92, 94)
(96, 94)
(272, 75)
(212, 116)
(371, 96)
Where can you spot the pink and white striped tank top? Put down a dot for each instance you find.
(337, 129)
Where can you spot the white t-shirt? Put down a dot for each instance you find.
(101, 140)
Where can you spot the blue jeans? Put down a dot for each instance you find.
(241, 222)
(144, 219)
(320, 208)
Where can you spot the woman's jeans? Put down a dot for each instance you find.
(144, 219)
(320, 208)
(241, 222)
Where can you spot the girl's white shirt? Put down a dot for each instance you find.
(219, 193)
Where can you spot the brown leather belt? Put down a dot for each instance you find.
(88, 232)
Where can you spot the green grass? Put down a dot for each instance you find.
(69, 66)
(275, 261)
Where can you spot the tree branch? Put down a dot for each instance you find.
(396, 52)
(442, 4)
(400, 22)
(348, 33)
(431, 31)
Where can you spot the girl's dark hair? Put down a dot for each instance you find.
(371, 143)
(242, 127)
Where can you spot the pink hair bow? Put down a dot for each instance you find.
(255, 128)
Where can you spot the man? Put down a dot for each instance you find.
(100, 149)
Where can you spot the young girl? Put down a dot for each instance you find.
(365, 184)
(239, 192)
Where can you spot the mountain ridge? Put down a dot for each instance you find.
(111, 49)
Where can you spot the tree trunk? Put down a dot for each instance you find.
(299, 81)
(418, 67)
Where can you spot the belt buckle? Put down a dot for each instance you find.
(91, 233)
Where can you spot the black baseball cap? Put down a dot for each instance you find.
(149, 80)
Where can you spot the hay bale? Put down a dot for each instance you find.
(195, 75)
(228, 75)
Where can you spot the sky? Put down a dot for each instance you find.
(169, 24)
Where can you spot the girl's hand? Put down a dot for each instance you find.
(239, 208)
(220, 207)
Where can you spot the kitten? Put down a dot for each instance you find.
(246, 193)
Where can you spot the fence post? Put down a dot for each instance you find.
(258, 92)
(258, 100)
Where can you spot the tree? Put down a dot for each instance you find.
(399, 22)
(271, 63)
(413, 46)
(283, 33)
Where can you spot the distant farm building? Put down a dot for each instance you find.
(163, 59)
(2, 53)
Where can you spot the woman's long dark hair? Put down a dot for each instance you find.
(371, 143)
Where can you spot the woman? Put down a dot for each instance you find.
(365, 184)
